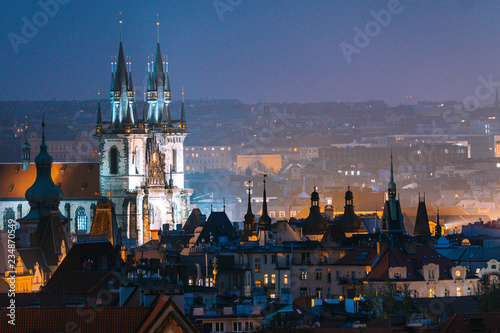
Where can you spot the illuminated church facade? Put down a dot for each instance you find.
(142, 161)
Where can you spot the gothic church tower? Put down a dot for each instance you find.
(137, 155)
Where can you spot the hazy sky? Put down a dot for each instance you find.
(261, 50)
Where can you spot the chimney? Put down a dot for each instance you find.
(381, 247)
(411, 246)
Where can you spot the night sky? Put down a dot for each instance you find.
(273, 51)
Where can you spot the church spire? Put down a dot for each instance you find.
(264, 235)
(422, 220)
(157, 29)
(392, 185)
(167, 81)
(497, 101)
(98, 123)
(183, 113)
(249, 208)
(438, 231)
(26, 149)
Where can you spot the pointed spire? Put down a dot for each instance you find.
(249, 208)
(438, 231)
(497, 101)
(421, 221)
(157, 29)
(25, 148)
(145, 109)
(165, 117)
(183, 112)
(99, 118)
(264, 199)
(158, 67)
(121, 27)
(112, 85)
(392, 169)
(129, 115)
(130, 84)
(167, 80)
(121, 76)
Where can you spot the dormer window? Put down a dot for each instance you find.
(397, 275)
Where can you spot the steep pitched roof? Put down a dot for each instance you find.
(195, 219)
(73, 264)
(166, 313)
(421, 221)
(104, 222)
(218, 225)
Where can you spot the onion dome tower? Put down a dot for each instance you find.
(350, 222)
(315, 225)
(43, 195)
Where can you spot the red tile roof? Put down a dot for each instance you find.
(398, 257)
(358, 257)
(471, 322)
(87, 319)
(76, 180)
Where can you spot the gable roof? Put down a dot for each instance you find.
(164, 314)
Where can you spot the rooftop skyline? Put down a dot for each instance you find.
(256, 51)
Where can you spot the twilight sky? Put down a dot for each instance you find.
(261, 50)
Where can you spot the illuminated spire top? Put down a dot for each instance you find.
(99, 119)
(249, 213)
(392, 184)
(121, 27)
(183, 112)
(157, 29)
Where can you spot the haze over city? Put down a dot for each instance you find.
(273, 51)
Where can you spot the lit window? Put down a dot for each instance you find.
(285, 278)
(81, 219)
(432, 293)
(257, 265)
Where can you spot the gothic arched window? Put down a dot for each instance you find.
(113, 160)
(81, 219)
